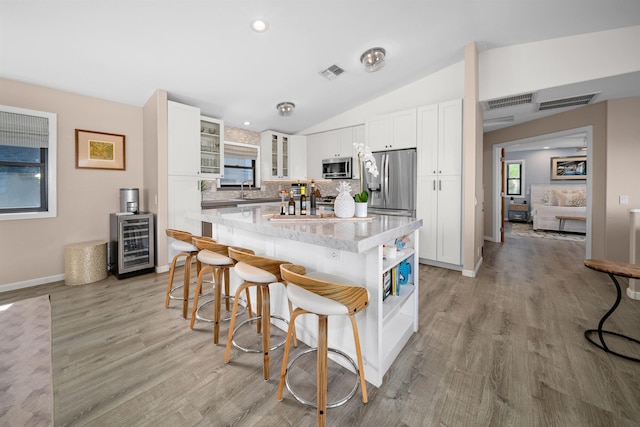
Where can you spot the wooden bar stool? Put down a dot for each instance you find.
(182, 243)
(213, 257)
(324, 296)
(260, 272)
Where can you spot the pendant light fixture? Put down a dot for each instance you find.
(373, 59)
(285, 108)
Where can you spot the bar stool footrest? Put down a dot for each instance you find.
(175, 288)
(242, 308)
(253, 319)
(335, 404)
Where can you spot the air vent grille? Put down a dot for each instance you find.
(573, 101)
(332, 72)
(509, 101)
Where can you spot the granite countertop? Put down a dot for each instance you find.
(355, 236)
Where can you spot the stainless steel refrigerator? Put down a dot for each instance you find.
(393, 191)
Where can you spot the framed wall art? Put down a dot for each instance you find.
(568, 168)
(99, 150)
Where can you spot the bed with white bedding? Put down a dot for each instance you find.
(551, 200)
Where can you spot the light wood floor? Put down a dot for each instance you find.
(505, 348)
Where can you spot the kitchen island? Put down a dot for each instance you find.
(352, 249)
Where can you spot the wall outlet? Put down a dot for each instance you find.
(624, 200)
(334, 254)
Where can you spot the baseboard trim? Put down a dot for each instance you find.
(633, 294)
(31, 283)
(440, 264)
(474, 273)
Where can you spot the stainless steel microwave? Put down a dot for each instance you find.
(336, 168)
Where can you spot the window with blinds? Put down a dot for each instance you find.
(240, 162)
(27, 163)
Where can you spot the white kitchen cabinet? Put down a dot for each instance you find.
(377, 132)
(440, 208)
(439, 202)
(195, 143)
(184, 139)
(184, 199)
(402, 129)
(283, 156)
(195, 152)
(315, 154)
(333, 143)
(211, 148)
(298, 157)
(358, 137)
(339, 143)
(275, 155)
(393, 131)
(440, 138)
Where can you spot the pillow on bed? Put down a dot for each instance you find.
(574, 198)
(550, 198)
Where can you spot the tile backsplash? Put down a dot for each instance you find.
(272, 189)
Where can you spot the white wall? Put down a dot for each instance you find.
(533, 66)
(444, 85)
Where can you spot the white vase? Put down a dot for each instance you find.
(344, 206)
(361, 209)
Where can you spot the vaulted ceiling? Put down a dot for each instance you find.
(206, 54)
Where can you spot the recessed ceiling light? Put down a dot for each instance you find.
(546, 148)
(259, 25)
(246, 123)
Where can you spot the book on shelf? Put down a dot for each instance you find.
(386, 285)
(395, 288)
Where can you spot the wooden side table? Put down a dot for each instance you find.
(518, 212)
(613, 269)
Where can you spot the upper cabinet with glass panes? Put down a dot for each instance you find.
(211, 147)
(275, 155)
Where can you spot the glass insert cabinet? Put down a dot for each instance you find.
(211, 147)
(132, 244)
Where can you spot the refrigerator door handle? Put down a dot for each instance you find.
(386, 179)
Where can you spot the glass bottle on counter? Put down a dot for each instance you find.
(292, 204)
(312, 196)
(303, 200)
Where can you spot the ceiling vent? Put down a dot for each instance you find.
(573, 101)
(498, 121)
(509, 101)
(331, 72)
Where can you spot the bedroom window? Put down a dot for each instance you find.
(515, 177)
(27, 164)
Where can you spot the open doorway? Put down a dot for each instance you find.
(570, 143)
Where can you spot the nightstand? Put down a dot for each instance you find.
(518, 212)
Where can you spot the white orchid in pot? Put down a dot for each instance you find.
(366, 159)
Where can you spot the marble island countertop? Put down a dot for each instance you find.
(353, 236)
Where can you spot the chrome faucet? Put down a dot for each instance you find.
(242, 188)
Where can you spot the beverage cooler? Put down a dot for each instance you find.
(132, 244)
